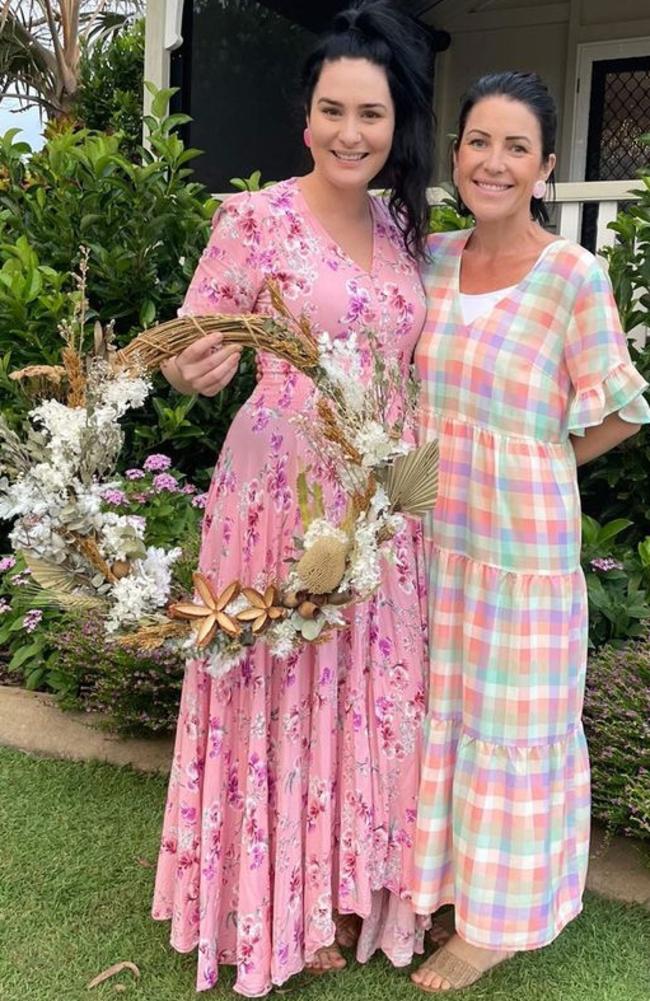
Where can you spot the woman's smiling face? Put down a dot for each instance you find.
(499, 158)
(351, 121)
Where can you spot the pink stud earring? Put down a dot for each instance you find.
(539, 189)
(307, 138)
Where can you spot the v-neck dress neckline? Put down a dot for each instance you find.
(321, 229)
(509, 292)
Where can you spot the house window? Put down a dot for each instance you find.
(619, 114)
(238, 70)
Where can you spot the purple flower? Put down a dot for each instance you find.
(4, 606)
(115, 497)
(165, 481)
(7, 563)
(32, 619)
(141, 498)
(22, 578)
(134, 474)
(606, 563)
(157, 463)
(189, 488)
(200, 500)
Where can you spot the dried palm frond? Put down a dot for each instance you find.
(58, 586)
(411, 480)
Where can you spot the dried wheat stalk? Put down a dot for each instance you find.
(332, 432)
(89, 548)
(152, 637)
(74, 370)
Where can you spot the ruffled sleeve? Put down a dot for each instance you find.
(228, 277)
(604, 380)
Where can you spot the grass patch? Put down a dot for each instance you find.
(74, 899)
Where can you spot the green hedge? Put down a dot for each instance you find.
(617, 724)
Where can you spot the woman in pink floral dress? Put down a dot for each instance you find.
(294, 781)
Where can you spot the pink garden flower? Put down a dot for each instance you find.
(32, 619)
(157, 463)
(7, 563)
(115, 497)
(165, 481)
(606, 563)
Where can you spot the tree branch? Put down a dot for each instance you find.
(66, 76)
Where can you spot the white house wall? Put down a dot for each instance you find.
(493, 35)
(487, 35)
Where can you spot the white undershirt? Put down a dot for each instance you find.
(478, 304)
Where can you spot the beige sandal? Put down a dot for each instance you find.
(317, 971)
(451, 968)
(458, 973)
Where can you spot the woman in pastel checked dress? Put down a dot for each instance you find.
(525, 374)
(294, 785)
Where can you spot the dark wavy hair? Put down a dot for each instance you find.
(529, 89)
(377, 31)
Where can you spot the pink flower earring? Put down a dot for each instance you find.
(307, 138)
(539, 189)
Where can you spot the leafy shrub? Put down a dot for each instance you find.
(617, 724)
(618, 578)
(111, 83)
(31, 630)
(24, 628)
(137, 692)
(618, 484)
(145, 224)
(445, 217)
(629, 257)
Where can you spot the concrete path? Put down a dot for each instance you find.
(31, 721)
(619, 868)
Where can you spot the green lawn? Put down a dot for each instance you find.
(74, 899)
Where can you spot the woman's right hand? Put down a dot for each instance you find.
(205, 367)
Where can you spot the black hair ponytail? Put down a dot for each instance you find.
(377, 31)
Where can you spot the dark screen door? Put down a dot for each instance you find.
(619, 113)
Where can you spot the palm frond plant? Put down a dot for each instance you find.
(41, 43)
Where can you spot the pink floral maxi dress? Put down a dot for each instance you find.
(294, 781)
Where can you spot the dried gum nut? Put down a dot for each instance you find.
(308, 609)
(120, 569)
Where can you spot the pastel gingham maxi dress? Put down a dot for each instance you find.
(503, 820)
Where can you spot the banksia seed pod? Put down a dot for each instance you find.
(322, 567)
